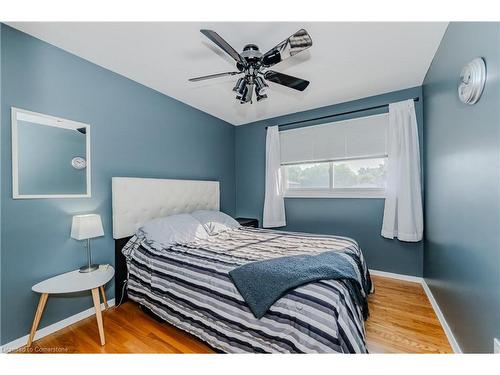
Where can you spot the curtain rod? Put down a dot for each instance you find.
(340, 114)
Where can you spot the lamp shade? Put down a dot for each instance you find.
(86, 226)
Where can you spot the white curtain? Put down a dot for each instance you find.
(274, 204)
(403, 216)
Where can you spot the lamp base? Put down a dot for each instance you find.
(91, 268)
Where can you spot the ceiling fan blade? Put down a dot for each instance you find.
(217, 75)
(286, 80)
(225, 46)
(291, 46)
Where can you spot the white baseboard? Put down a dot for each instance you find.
(447, 330)
(398, 276)
(21, 341)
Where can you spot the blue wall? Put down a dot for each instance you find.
(462, 192)
(357, 218)
(135, 131)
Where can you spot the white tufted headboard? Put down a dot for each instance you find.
(137, 200)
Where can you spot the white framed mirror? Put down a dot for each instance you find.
(50, 156)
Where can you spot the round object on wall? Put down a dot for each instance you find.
(78, 162)
(472, 81)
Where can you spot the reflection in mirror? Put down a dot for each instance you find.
(50, 156)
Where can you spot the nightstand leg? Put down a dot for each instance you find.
(97, 306)
(104, 297)
(38, 317)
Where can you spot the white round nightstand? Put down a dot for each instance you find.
(71, 282)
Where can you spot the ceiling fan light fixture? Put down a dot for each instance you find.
(241, 92)
(260, 86)
(239, 85)
(248, 95)
(261, 97)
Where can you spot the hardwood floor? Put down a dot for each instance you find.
(401, 321)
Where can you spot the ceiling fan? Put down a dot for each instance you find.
(255, 65)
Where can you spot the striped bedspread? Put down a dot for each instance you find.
(189, 287)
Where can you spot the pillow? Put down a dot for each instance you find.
(215, 222)
(176, 229)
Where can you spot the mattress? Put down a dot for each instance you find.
(189, 287)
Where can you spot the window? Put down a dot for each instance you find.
(343, 159)
(347, 178)
(359, 174)
(308, 176)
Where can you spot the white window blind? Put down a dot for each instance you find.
(364, 137)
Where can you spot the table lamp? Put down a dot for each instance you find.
(85, 227)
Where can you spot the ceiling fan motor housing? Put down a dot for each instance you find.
(252, 56)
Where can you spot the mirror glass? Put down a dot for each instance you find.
(50, 156)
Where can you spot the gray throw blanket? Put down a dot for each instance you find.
(262, 283)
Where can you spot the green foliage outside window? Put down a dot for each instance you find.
(345, 175)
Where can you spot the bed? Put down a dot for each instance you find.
(189, 285)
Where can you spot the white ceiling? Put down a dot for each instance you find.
(347, 60)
